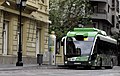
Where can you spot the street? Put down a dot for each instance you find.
(43, 71)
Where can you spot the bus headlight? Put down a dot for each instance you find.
(95, 61)
(69, 59)
(65, 62)
(89, 62)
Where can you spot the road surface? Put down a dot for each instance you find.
(43, 71)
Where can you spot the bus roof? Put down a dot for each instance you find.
(86, 32)
(107, 39)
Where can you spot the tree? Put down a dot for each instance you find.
(67, 14)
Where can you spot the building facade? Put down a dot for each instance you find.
(35, 23)
(105, 15)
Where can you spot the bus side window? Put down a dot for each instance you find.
(100, 47)
(95, 48)
(62, 42)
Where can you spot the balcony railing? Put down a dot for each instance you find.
(99, 0)
(32, 5)
(101, 11)
(42, 7)
(99, 14)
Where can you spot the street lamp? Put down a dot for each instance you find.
(21, 5)
(7, 2)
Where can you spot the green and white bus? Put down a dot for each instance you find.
(89, 47)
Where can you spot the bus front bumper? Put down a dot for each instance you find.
(78, 63)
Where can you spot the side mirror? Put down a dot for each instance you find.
(62, 43)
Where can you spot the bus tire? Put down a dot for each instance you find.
(100, 65)
(111, 64)
(100, 62)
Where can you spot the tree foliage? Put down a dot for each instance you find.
(67, 14)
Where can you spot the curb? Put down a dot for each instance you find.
(26, 67)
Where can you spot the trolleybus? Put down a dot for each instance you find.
(89, 47)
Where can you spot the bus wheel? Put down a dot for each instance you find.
(100, 62)
(111, 64)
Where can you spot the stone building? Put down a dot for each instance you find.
(35, 22)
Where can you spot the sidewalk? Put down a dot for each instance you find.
(8, 67)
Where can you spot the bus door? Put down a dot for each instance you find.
(63, 44)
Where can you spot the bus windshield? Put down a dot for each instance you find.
(76, 47)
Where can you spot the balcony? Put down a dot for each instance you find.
(31, 5)
(37, 5)
(99, 1)
(99, 14)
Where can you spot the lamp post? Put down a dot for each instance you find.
(21, 5)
